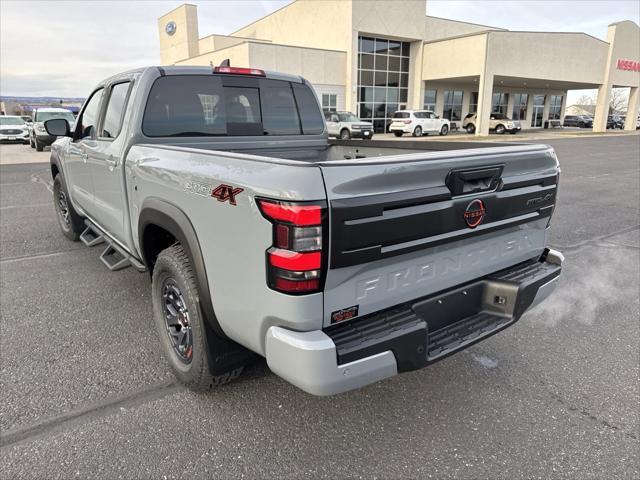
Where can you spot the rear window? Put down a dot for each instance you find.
(216, 105)
(401, 115)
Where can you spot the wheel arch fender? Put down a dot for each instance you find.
(160, 213)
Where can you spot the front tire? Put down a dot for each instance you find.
(444, 130)
(31, 143)
(344, 134)
(471, 128)
(500, 129)
(70, 222)
(417, 132)
(39, 147)
(180, 323)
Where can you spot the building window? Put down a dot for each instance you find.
(383, 79)
(520, 101)
(452, 105)
(555, 107)
(473, 103)
(329, 102)
(429, 102)
(499, 103)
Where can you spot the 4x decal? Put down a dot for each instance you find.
(225, 193)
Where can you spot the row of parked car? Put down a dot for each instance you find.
(15, 128)
(346, 125)
(586, 121)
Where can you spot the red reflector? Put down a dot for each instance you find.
(289, 260)
(296, 214)
(239, 71)
(282, 236)
(296, 286)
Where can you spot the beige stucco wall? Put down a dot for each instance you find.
(625, 45)
(458, 57)
(238, 55)
(184, 42)
(317, 66)
(570, 57)
(305, 23)
(439, 28)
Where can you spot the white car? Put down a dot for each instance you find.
(13, 129)
(417, 123)
(346, 125)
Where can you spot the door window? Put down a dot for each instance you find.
(88, 122)
(115, 109)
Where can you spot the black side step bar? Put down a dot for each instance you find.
(114, 256)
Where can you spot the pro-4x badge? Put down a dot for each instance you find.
(226, 193)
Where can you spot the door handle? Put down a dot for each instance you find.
(84, 157)
(111, 161)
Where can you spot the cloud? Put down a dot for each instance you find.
(65, 48)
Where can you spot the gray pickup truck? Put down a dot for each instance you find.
(341, 264)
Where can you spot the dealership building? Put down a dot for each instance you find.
(376, 57)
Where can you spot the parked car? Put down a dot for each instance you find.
(638, 122)
(498, 123)
(341, 265)
(616, 121)
(346, 125)
(582, 121)
(418, 123)
(13, 129)
(39, 138)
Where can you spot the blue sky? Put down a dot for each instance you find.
(77, 44)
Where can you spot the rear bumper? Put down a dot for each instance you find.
(407, 337)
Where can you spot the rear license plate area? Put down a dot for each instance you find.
(448, 308)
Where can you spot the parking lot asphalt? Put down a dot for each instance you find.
(86, 393)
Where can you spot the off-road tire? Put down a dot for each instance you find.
(173, 263)
(71, 224)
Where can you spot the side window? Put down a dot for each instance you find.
(242, 106)
(309, 111)
(87, 123)
(279, 112)
(429, 115)
(115, 109)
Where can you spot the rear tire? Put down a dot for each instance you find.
(397, 133)
(173, 289)
(471, 128)
(417, 132)
(444, 130)
(344, 134)
(70, 222)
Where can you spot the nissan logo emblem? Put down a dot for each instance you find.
(474, 213)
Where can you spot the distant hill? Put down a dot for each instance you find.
(5, 98)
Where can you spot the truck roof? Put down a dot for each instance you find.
(197, 70)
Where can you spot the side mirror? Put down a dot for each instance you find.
(437, 116)
(58, 127)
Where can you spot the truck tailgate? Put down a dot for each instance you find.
(406, 226)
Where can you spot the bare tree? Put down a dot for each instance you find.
(618, 101)
(586, 100)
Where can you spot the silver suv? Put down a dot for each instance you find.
(346, 125)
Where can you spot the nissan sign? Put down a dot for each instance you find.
(629, 65)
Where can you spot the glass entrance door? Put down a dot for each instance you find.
(538, 110)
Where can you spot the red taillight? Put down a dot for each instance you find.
(240, 71)
(407, 122)
(296, 258)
